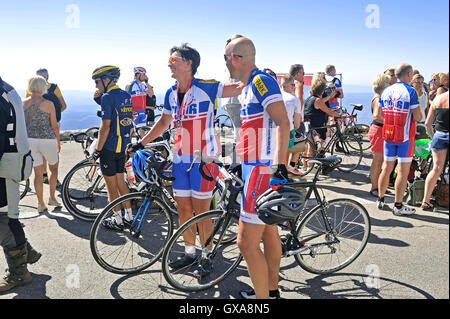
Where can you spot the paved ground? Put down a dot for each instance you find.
(406, 257)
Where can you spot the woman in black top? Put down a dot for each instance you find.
(316, 112)
(439, 111)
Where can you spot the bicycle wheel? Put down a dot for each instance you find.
(303, 167)
(140, 243)
(328, 249)
(349, 149)
(84, 191)
(361, 131)
(24, 187)
(224, 258)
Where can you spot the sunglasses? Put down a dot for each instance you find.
(174, 59)
(225, 56)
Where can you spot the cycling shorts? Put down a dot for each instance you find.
(403, 152)
(192, 184)
(112, 163)
(256, 176)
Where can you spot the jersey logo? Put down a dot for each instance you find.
(260, 86)
(126, 121)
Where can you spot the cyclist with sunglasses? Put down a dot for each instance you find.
(189, 105)
(113, 137)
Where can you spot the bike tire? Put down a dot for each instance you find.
(24, 187)
(361, 131)
(226, 258)
(78, 198)
(351, 155)
(352, 227)
(126, 252)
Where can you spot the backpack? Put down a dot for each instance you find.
(7, 123)
(51, 96)
(414, 192)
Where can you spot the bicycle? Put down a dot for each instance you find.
(83, 189)
(142, 240)
(319, 239)
(351, 128)
(223, 125)
(347, 147)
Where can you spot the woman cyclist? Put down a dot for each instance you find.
(189, 105)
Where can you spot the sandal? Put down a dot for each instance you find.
(427, 207)
(372, 192)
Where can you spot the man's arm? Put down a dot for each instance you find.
(103, 134)
(416, 114)
(158, 129)
(231, 89)
(277, 112)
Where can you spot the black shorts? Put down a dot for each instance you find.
(112, 163)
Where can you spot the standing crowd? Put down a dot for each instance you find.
(266, 116)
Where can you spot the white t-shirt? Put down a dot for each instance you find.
(292, 104)
(423, 101)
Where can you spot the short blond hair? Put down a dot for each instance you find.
(381, 82)
(37, 84)
(287, 78)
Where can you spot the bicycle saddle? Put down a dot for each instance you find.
(358, 107)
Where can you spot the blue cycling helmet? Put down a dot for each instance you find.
(140, 165)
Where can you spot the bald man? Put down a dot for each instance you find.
(262, 147)
(400, 105)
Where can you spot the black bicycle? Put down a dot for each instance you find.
(141, 242)
(323, 239)
(347, 147)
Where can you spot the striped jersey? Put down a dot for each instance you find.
(193, 117)
(257, 134)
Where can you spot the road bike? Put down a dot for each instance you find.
(323, 239)
(347, 147)
(141, 242)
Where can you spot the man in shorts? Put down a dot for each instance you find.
(400, 106)
(113, 138)
(264, 125)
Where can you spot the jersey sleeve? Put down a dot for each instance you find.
(107, 107)
(167, 109)
(266, 90)
(58, 92)
(338, 83)
(414, 99)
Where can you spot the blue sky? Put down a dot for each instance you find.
(130, 33)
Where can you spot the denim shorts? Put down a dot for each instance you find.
(439, 142)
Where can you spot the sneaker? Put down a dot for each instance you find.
(112, 224)
(250, 294)
(294, 171)
(404, 211)
(42, 209)
(183, 261)
(54, 202)
(380, 204)
(204, 269)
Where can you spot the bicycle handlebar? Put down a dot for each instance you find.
(158, 166)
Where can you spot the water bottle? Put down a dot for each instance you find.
(316, 137)
(130, 173)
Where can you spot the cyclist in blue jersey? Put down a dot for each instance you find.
(113, 137)
(262, 148)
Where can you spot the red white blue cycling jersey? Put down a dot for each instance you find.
(397, 101)
(194, 117)
(257, 136)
